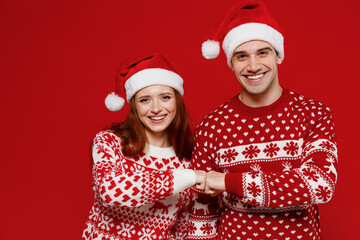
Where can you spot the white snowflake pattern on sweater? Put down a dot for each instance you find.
(143, 198)
(280, 162)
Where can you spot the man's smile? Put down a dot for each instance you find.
(254, 77)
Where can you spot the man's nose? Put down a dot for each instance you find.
(253, 65)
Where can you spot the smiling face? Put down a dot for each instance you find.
(255, 66)
(156, 109)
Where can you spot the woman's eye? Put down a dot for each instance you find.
(143, 100)
(166, 97)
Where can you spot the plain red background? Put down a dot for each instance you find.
(58, 60)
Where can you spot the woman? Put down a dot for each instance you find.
(140, 177)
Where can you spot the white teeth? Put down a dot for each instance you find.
(255, 77)
(157, 118)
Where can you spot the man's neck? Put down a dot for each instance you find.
(260, 100)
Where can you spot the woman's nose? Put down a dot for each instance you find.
(156, 107)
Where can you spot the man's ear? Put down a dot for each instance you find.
(278, 59)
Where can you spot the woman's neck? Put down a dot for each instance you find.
(158, 139)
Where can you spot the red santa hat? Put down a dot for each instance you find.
(139, 72)
(246, 21)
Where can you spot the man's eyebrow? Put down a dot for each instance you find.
(239, 52)
(265, 49)
(259, 50)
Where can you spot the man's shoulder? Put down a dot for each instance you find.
(215, 116)
(300, 101)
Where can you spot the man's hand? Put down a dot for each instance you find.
(215, 183)
(200, 180)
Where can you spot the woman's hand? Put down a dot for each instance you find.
(200, 180)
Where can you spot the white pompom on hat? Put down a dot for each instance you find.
(113, 102)
(138, 72)
(246, 21)
(210, 49)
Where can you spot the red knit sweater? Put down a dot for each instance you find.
(143, 198)
(280, 162)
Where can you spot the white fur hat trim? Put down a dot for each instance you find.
(153, 76)
(252, 31)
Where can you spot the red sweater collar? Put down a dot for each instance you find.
(246, 110)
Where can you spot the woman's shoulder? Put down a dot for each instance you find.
(107, 136)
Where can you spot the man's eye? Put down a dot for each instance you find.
(241, 57)
(263, 53)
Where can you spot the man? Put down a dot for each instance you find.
(270, 154)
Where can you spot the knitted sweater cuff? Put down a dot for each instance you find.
(233, 183)
(183, 178)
